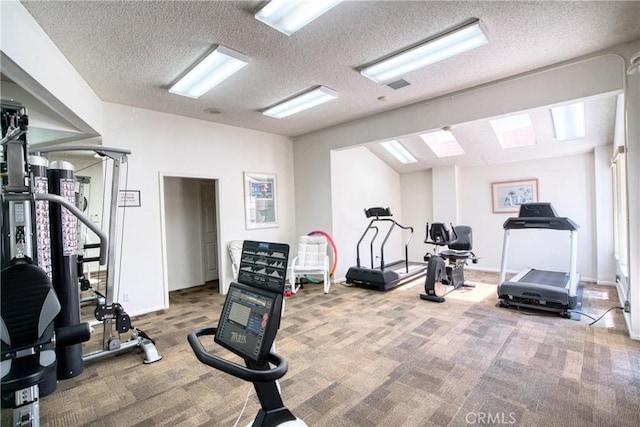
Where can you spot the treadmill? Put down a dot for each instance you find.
(385, 276)
(540, 289)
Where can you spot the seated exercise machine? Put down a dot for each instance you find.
(248, 325)
(539, 289)
(31, 342)
(445, 269)
(385, 276)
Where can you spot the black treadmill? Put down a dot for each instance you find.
(385, 276)
(540, 289)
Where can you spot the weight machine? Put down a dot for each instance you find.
(41, 332)
(109, 312)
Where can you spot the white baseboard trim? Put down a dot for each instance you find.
(633, 334)
(145, 311)
(622, 293)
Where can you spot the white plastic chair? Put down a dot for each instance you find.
(312, 259)
(235, 253)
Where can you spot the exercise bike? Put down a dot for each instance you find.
(248, 325)
(445, 269)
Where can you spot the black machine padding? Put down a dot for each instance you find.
(463, 239)
(377, 212)
(439, 233)
(29, 304)
(29, 307)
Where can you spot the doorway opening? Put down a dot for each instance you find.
(190, 233)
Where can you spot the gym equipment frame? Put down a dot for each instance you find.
(385, 276)
(109, 312)
(247, 327)
(539, 289)
(445, 269)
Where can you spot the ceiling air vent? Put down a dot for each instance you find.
(398, 84)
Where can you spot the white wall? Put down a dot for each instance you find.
(632, 122)
(360, 180)
(183, 232)
(605, 263)
(32, 61)
(168, 145)
(567, 182)
(599, 74)
(417, 208)
(446, 206)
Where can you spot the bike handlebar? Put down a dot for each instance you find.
(231, 368)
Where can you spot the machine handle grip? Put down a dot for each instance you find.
(73, 334)
(231, 368)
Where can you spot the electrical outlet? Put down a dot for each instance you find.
(125, 296)
(627, 307)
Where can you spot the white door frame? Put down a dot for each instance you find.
(202, 184)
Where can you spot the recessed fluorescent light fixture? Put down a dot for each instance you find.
(217, 66)
(304, 101)
(288, 16)
(514, 131)
(568, 121)
(445, 46)
(442, 143)
(398, 151)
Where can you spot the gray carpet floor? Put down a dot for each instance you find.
(360, 357)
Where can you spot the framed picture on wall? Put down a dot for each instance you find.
(260, 200)
(507, 196)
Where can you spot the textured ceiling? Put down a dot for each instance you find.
(130, 52)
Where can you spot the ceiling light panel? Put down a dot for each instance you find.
(514, 131)
(216, 67)
(288, 16)
(442, 143)
(569, 122)
(450, 44)
(304, 101)
(398, 151)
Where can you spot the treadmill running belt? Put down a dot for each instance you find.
(552, 278)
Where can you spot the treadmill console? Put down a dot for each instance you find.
(377, 212)
(537, 210)
(540, 216)
(249, 321)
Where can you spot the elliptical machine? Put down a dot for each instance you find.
(248, 325)
(445, 271)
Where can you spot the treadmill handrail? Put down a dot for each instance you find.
(548, 223)
(371, 226)
(406, 245)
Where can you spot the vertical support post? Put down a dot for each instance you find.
(573, 266)
(505, 250)
(64, 257)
